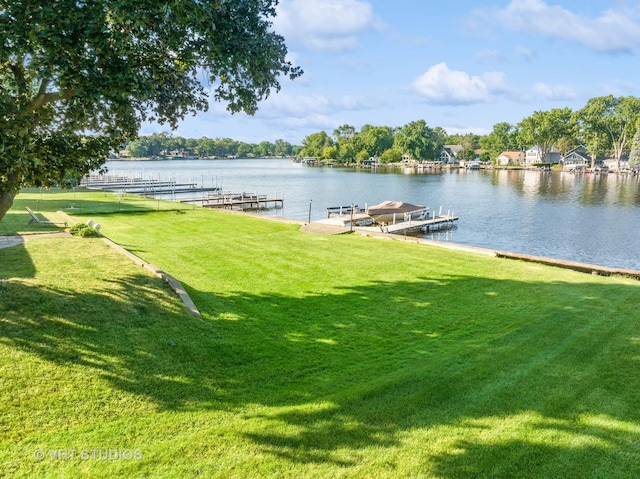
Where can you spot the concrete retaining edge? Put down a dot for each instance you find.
(560, 263)
(175, 285)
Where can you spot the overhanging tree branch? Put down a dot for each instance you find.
(104, 67)
(52, 97)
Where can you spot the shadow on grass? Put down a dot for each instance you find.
(17, 261)
(510, 386)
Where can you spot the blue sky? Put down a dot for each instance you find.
(463, 65)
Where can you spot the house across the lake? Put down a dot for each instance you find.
(577, 159)
(534, 156)
(511, 158)
(449, 154)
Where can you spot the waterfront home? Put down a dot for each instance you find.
(510, 158)
(612, 165)
(449, 154)
(533, 156)
(577, 158)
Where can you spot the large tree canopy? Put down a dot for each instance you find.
(545, 128)
(608, 121)
(418, 140)
(502, 138)
(78, 77)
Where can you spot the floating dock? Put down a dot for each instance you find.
(414, 226)
(140, 186)
(352, 218)
(244, 201)
(209, 197)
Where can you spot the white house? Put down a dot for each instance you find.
(533, 156)
(611, 163)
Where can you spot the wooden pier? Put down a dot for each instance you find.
(413, 226)
(401, 227)
(342, 210)
(244, 201)
(422, 220)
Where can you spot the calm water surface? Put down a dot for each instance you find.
(584, 217)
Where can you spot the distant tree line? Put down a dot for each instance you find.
(607, 126)
(164, 144)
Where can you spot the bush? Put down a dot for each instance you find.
(83, 230)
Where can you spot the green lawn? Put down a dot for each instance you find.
(316, 356)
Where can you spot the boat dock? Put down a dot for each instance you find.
(342, 210)
(243, 201)
(211, 197)
(140, 186)
(413, 226)
(419, 220)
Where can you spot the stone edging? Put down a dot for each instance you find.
(175, 285)
(170, 280)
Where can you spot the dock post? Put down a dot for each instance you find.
(351, 222)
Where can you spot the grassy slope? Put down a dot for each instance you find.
(316, 356)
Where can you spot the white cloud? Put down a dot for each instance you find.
(557, 92)
(441, 85)
(324, 24)
(611, 32)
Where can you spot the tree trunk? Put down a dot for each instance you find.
(6, 201)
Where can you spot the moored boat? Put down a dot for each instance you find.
(394, 211)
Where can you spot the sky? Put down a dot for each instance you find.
(463, 65)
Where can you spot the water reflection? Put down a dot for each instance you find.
(587, 189)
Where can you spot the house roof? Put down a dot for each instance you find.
(580, 151)
(553, 149)
(512, 155)
(453, 149)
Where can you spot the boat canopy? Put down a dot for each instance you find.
(390, 207)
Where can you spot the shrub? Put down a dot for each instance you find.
(83, 230)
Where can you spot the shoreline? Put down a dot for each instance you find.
(318, 228)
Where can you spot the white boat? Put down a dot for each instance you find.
(396, 211)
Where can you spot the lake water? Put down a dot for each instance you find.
(593, 218)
